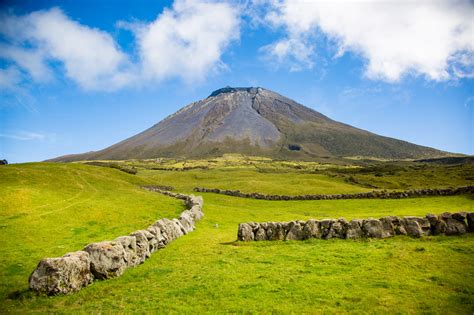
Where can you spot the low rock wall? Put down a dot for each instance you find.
(445, 223)
(109, 259)
(366, 195)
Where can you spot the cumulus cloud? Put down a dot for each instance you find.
(396, 38)
(89, 56)
(187, 40)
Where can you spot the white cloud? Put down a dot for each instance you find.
(187, 41)
(429, 38)
(90, 57)
(10, 78)
(29, 136)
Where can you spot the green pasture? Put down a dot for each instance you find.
(50, 209)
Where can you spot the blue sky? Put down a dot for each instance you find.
(77, 76)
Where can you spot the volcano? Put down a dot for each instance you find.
(254, 121)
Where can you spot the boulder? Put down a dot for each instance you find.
(295, 231)
(388, 226)
(275, 232)
(192, 201)
(196, 212)
(455, 227)
(325, 226)
(311, 229)
(62, 275)
(460, 216)
(372, 228)
(260, 234)
(245, 232)
(354, 229)
(178, 224)
(156, 240)
(338, 229)
(107, 259)
(412, 227)
(470, 221)
(187, 221)
(142, 245)
(129, 244)
(424, 224)
(169, 229)
(437, 226)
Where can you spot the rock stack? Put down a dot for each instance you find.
(376, 194)
(109, 259)
(446, 223)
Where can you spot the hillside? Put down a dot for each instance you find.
(255, 121)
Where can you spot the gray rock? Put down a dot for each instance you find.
(187, 221)
(196, 213)
(325, 226)
(142, 245)
(192, 201)
(354, 229)
(295, 231)
(372, 228)
(129, 244)
(178, 224)
(455, 227)
(245, 232)
(412, 226)
(275, 231)
(388, 226)
(311, 229)
(338, 229)
(260, 234)
(62, 275)
(398, 226)
(156, 240)
(437, 225)
(169, 229)
(107, 259)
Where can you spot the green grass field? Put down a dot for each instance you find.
(51, 209)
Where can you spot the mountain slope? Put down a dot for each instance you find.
(255, 121)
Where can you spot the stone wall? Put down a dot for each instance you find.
(445, 223)
(109, 259)
(366, 195)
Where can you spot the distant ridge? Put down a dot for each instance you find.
(255, 121)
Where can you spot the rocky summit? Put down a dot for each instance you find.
(255, 121)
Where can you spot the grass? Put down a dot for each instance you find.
(207, 271)
(251, 180)
(47, 210)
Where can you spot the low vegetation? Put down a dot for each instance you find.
(50, 209)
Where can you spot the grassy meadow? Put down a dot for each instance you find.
(49, 209)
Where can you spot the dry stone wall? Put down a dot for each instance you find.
(109, 259)
(445, 223)
(367, 195)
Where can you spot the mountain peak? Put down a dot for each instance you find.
(255, 121)
(229, 89)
